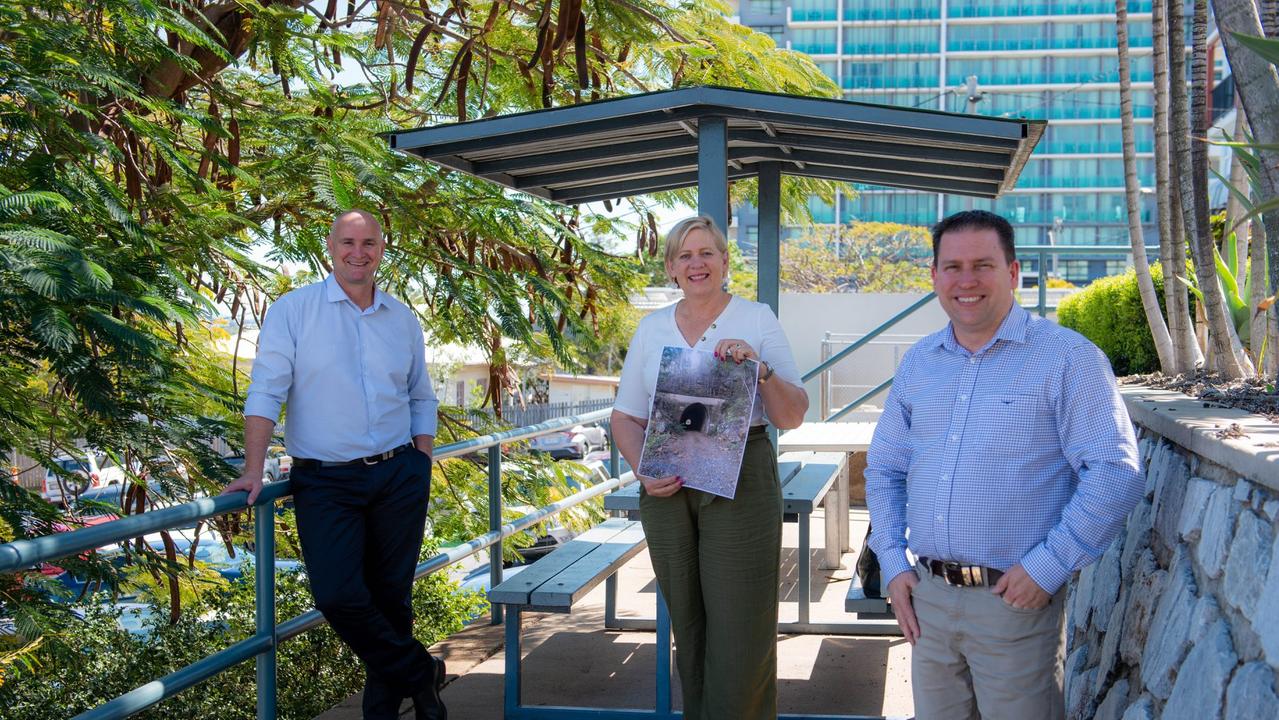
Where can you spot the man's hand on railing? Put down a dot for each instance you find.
(245, 482)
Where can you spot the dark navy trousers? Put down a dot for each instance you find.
(361, 528)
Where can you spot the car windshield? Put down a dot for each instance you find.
(71, 465)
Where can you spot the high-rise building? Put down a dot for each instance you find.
(1054, 60)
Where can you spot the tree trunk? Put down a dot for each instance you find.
(1224, 344)
(1172, 241)
(1145, 286)
(1234, 205)
(1257, 83)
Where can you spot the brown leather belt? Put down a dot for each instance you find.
(960, 575)
(310, 464)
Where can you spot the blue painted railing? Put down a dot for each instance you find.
(24, 554)
(1040, 252)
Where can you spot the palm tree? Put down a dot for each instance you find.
(1224, 347)
(1257, 83)
(1146, 286)
(1172, 241)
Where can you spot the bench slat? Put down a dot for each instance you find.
(857, 602)
(811, 484)
(579, 578)
(516, 590)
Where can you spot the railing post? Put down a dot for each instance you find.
(495, 524)
(264, 614)
(1043, 283)
(614, 463)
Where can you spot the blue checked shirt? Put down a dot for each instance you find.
(1021, 452)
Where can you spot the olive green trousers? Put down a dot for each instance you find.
(716, 562)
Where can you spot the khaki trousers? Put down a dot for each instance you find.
(716, 561)
(978, 657)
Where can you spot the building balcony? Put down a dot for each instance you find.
(1029, 9)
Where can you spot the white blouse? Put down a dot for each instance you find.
(741, 319)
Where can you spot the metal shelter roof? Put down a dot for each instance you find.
(646, 143)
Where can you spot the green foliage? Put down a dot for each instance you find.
(154, 152)
(868, 257)
(1109, 313)
(315, 670)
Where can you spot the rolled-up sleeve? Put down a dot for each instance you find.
(1098, 441)
(272, 374)
(887, 463)
(423, 405)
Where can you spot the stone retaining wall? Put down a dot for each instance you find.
(1180, 616)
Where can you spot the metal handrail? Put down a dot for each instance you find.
(23, 554)
(1041, 252)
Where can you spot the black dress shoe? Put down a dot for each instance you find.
(381, 701)
(427, 704)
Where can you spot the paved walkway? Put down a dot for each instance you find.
(572, 660)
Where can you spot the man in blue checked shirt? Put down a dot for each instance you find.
(351, 363)
(1006, 453)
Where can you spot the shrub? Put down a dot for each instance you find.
(1108, 312)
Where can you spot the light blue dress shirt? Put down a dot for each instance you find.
(355, 380)
(1021, 452)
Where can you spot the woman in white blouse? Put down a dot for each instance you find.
(716, 559)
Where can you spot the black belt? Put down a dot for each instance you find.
(960, 575)
(310, 464)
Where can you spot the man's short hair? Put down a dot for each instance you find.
(976, 220)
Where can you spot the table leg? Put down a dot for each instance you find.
(512, 700)
(843, 485)
(663, 708)
(610, 603)
(830, 550)
(805, 570)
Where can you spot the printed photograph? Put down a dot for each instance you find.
(699, 419)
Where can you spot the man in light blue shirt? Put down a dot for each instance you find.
(1005, 450)
(350, 362)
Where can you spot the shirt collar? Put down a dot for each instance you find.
(334, 293)
(1012, 329)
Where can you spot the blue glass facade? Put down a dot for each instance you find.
(1052, 60)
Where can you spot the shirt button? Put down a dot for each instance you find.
(963, 397)
(972, 360)
(954, 437)
(941, 519)
(945, 477)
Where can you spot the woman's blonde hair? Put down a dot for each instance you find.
(675, 238)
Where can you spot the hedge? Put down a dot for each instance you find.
(1109, 313)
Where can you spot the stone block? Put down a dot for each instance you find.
(1109, 653)
(1169, 499)
(1143, 596)
(1080, 598)
(1271, 509)
(1079, 695)
(1267, 609)
(1169, 638)
(1190, 524)
(1248, 563)
(1252, 694)
(1105, 584)
(1115, 702)
(1142, 709)
(1243, 492)
(1201, 681)
(1218, 529)
(1136, 539)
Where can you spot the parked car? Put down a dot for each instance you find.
(572, 444)
(270, 468)
(69, 476)
(283, 460)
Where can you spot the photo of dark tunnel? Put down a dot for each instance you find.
(693, 417)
